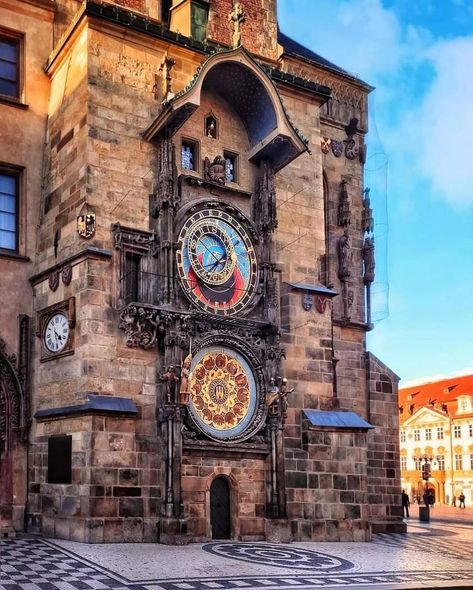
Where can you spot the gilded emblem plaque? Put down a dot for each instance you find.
(86, 225)
(223, 395)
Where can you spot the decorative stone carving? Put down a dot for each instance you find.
(237, 16)
(215, 171)
(344, 212)
(307, 301)
(351, 149)
(166, 67)
(167, 195)
(321, 303)
(367, 222)
(368, 261)
(344, 256)
(125, 237)
(53, 280)
(325, 143)
(264, 206)
(66, 274)
(140, 325)
(337, 147)
(13, 404)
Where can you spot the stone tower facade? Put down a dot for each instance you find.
(189, 288)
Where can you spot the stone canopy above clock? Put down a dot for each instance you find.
(239, 80)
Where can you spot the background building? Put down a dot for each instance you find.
(186, 257)
(437, 422)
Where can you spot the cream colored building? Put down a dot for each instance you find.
(436, 422)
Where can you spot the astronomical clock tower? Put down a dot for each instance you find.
(199, 296)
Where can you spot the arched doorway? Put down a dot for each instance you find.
(12, 447)
(220, 524)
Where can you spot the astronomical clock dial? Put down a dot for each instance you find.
(56, 333)
(223, 395)
(216, 262)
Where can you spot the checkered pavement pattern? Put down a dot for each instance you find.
(33, 564)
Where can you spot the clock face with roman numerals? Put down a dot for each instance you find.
(216, 262)
(56, 333)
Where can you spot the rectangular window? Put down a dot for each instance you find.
(9, 65)
(459, 462)
(403, 464)
(471, 461)
(188, 155)
(470, 429)
(403, 436)
(418, 464)
(440, 432)
(416, 434)
(9, 199)
(457, 431)
(60, 459)
(199, 17)
(428, 434)
(132, 276)
(441, 462)
(230, 167)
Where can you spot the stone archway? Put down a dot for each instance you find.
(13, 426)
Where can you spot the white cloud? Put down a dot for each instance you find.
(424, 87)
(438, 377)
(446, 123)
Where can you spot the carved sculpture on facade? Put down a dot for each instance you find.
(345, 254)
(264, 206)
(367, 222)
(14, 391)
(184, 391)
(344, 212)
(237, 17)
(215, 171)
(368, 261)
(170, 381)
(166, 68)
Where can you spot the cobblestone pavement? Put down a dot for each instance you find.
(429, 556)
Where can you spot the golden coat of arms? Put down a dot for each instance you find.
(86, 225)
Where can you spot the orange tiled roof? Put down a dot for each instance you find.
(444, 392)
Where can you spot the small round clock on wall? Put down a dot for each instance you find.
(55, 328)
(216, 262)
(56, 333)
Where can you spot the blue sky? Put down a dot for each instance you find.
(419, 55)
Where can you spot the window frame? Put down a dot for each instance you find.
(458, 457)
(416, 434)
(228, 154)
(196, 150)
(428, 434)
(440, 433)
(19, 37)
(17, 173)
(457, 431)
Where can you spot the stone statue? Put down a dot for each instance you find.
(344, 256)
(276, 397)
(185, 379)
(368, 261)
(215, 171)
(170, 383)
(237, 17)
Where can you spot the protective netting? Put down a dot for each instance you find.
(376, 179)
